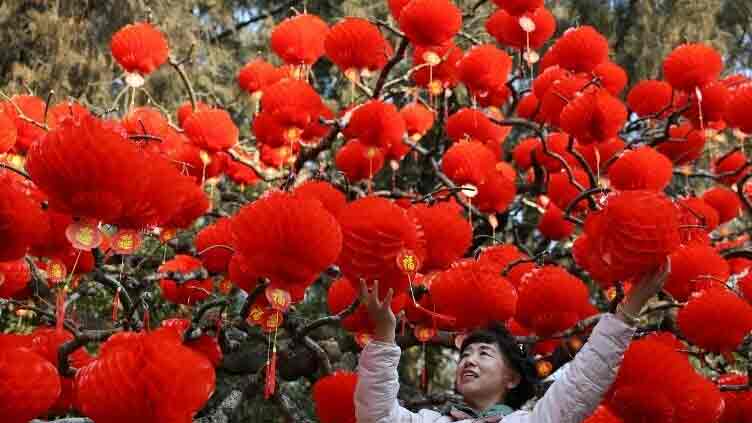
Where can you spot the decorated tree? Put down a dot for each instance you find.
(168, 254)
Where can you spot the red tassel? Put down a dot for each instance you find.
(147, 320)
(60, 309)
(115, 305)
(271, 374)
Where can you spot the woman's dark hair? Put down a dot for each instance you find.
(517, 355)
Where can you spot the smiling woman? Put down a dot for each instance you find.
(494, 375)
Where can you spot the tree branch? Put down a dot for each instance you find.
(259, 17)
(398, 55)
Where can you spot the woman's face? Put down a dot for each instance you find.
(484, 375)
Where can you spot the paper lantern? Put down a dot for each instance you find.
(447, 234)
(711, 309)
(299, 40)
(258, 74)
(693, 268)
(691, 66)
(474, 295)
(148, 377)
(212, 130)
(468, 162)
(499, 256)
(594, 116)
(333, 397)
(641, 169)
(581, 49)
(330, 197)
(508, 29)
(435, 67)
(483, 69)
(430, 22)
(139, 47)
(518, 7)
(376, 124)
(551, 300)
(356, 45)
(30, 385)
(725, 201)
(213, 245)
(686, 145)
(650, 97)
(184, 292)
(358, 161)
(375, 232)
(612, 77)
(739, 109)
(285, 238)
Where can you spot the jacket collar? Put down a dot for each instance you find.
(492, 415)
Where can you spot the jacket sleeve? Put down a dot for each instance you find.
(575, 395)
(378, 385)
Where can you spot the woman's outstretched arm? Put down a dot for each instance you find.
(378, 380)
(586, 379)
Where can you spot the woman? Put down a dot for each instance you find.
(491, 374)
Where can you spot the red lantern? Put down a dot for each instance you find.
(139, 47)
(213, 245)
(611, 76)
(436, 67)
(418, 120)
(376, 124)
(484, 69)
(641, 169)
(725, 201)
(375, 231)
(593, 117)
(22, 222)
(186, 109)
(711, 309)
(257, 75)
(212, 130)
(287, 239)
(686, 145)
(333, 397)
(650, 97)
(27, 132)
(331, 198)
(184, 292)
(474, 295)
(356, 45)
(551, 300)
(158, 377)
(8, 132)
(581, 49)
(14, 276)
(691, 66)
(693, 268)
(518, 7)
(447, 234)
(634, 233)
(525, 32)
(299, 40)
(468, 163)
(738, 111)
(30, 384)
(430, 22)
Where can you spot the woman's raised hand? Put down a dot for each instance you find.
(651, 284)
(380, 312)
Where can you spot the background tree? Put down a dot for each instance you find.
(64, 47)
